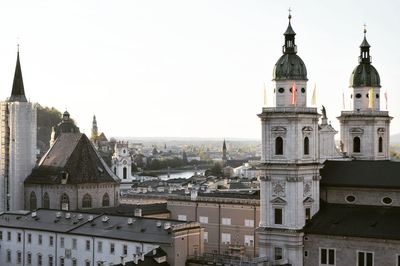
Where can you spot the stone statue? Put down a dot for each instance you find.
(323, 110)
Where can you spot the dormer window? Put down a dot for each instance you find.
(64, 177)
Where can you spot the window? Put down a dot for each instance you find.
(1, 235)
(40, 239)
(358, 95)
(350, 198)
(138, 249)
(74, 243)
(87, 245)
(51, 261)
(278, 216)
(106, 200)
(18, 237)
(356, 144)
(205, 237)
(125, 249)
(124, 173)
(64, 202)
(19, 257)
(249, 240)
(281, 90)
(278, 146)
(62, 242)
(380, 144)
(308, 214)
(87, 201)
(100, 246)
(226, 238)
(87, 263)
(62, 261)
(8, 256)
(278, 253)
(29, 238)
(226, 221)
(365, 258)
(29, 258)
(112, 248)
(32, 201)
(249, 223)
(203, 219)
(8, 236)
(46, 201)
(387, 200)
(39, 259)
(74, 262)
(327, 256)
(51, 241)
(182, 217)
(306, 146)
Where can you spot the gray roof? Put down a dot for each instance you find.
(370, 174)
(356, 221)
(129, 209)
(74, 154)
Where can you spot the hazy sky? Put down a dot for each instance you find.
(189, 68)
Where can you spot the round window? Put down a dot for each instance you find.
(281, 90)
(358, 95)
(367, 95)
(350, 198)
(387, 200)
(303, 90)
(377, 96)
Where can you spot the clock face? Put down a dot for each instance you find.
(124, 162)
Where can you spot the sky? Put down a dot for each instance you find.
(189, 68)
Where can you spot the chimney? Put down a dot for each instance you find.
(135, 259)
(142, 256)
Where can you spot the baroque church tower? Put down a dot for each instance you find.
(364, 131)
(290, 160)
(18, 144)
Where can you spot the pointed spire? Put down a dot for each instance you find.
(289, 47)
(364, 49)
(18, 92)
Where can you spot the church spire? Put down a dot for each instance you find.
(289, 47)
(224, 157)
(18, 92)
(94, 128)
(364, 49)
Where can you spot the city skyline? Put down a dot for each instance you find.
(188, 68)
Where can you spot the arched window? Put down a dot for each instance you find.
(124, 173)
(278, 146)
(356, 144)
(64, 202)
(380, 146)
(87, 201)
(46, 201)
(106, 200)
(32, 201)
(115, 170)
(306, 146)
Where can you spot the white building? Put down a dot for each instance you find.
(122, 162)
(50, 237)
(18, 144)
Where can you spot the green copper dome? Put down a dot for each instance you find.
(365, 74)
(289, 65)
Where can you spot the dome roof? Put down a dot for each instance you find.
(289, 67)
(365, 75)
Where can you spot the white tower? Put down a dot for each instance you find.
(290, 161)
(364, 131)
(122, 162)
(18, 144)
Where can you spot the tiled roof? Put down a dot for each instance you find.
(74, 154)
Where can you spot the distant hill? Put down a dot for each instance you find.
(395, 138)
(46, 119)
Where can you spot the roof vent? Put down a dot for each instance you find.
(34, 214)
(158, 224)
(167, 225)
(130, 221)
(90, 218)
(80, 216)
(105, 219)
(58, 214)
(68, 215)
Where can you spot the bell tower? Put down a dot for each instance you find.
(290, 165)
(364, 130)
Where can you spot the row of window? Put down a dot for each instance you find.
(327, 256)
(357, 144)
(226, 239)
(282, 90)
(384, 200)
(358, 95)
(279, 146)
(278, 215)
(224, 221)
(40, 259)
(74, 243)
(64, 201)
